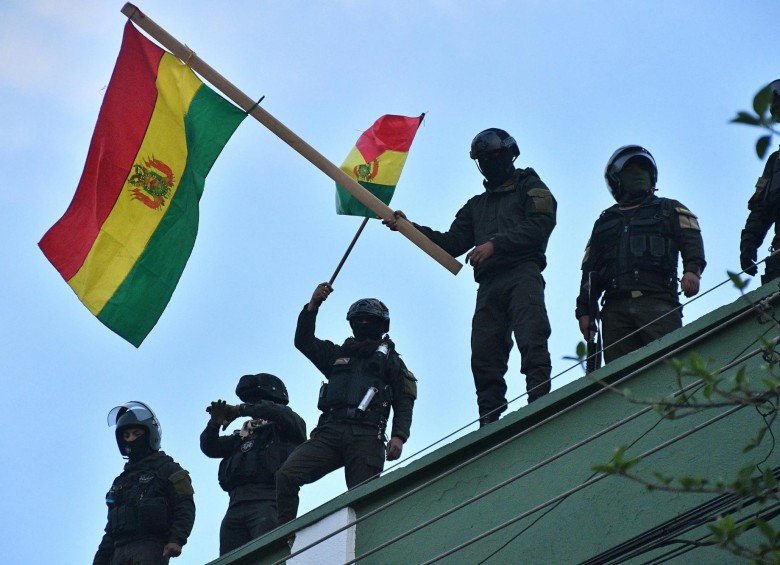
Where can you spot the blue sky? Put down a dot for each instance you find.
(570, 80)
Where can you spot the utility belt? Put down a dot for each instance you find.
(354, 416)
(648, 282)
(612, 294)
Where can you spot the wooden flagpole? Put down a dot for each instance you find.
(281, 131)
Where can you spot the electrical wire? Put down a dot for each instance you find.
(692, 386)
(734, 318)
(579, 487)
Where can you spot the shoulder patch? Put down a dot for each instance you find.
(182, 483)
(687, 218)
(341, 361)
(410, 383)
(541, 199)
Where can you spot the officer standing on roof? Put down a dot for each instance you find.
(150, 504)
(634, 250)
(764, 208)
(506, 229)
(366, 378)
(252, 455)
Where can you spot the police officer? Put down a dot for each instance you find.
(366, 378)
(506, 229)
(764, 208)
(252, 455)
(633, 250)
(150, 504)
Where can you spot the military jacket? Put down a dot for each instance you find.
(637, 249)
(764, 207)
(151, 499)
(248, 466)
(349, 377)
(518, 217)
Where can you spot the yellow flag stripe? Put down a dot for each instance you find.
(390, 163)
(127, 230)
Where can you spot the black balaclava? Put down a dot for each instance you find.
(496, 170)
(138, 449)
(373, 329)
(635, 185)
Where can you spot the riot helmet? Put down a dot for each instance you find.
(373, 309)
(774, 104)
(618, 161)
(262, 386)
(495, 152)
(135, 414)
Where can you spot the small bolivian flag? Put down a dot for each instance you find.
(376, 161)
(123, 242)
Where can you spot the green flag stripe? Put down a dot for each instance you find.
(348, 205)
(140, 300)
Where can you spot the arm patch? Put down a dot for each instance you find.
(542, 201)
(409, 383)
(182, 483)
(687, 219)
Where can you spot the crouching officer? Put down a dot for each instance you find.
(366, 378)
(252, 455)
(150, 504)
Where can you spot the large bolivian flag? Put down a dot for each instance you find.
(376, 161)
(123, 242)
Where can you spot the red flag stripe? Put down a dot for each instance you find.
(389, 132)
(127, 108)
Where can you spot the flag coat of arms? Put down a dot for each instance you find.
(126, 236)
(376, 161)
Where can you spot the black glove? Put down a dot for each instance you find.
(222, 413)
(747, 260)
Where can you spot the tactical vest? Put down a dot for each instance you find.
(256, 459)
(349, 380)
(637, 249)
(138, 503)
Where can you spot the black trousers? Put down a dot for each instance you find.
(145, 552)
(510, 303)
(245, 521)
(357, 448)
(630, 323)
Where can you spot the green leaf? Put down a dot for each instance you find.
(738, 283)
(745, 118)
(762, 100)
(691, 482)
(606, 469)
(762, 145)
(582, 350)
